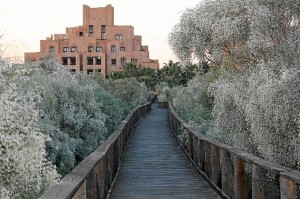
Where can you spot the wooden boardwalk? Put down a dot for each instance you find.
(154, 166)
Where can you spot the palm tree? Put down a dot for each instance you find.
(130, 69)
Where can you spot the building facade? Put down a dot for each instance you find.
(96, 46)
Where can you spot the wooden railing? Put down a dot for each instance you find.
(233, 172)
(93, 177)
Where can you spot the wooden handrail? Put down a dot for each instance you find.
(93, 177)
(231, 170)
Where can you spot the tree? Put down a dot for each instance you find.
(238, 33)
(130, 70)
(6, 51)
(171, 73)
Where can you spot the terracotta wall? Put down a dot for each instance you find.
(127, 45)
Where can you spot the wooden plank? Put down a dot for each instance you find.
(201, 164)
(207, 167)
(287, 188)
(227, 173)
(81, 192)
(154, 166)
(239, 178)
(215, 166)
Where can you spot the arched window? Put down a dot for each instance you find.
(133, 60)
(119, 36)
(113, 48)
(51, 49)
(123, 61)
(73, 48)
(98, 48)
(90, 48)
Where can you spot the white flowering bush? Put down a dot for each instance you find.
(24, 170)
(194, 104)
(259, 111)
(50, 120)
(164, 92)
(71, 115)
(237, 33)
(256, 105)
(114, 109)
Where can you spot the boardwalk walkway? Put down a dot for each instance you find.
(155, 167)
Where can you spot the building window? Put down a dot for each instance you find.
(64, 60)
(73, 60)
(80, 33)
(113, 49)
(73, 49)
(119, 37)
(90, 71)
(113, 61)
(123, 61)
(98, 70)
(91, 30)
(65, 49)
(90, 61)
(98, 61)
(103, 28)
(103, 31)
(91, 48)
(134, 60)
(51, 49)
(122, 48)
(98, 49)
(72, 70)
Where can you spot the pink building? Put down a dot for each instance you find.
(97, 45)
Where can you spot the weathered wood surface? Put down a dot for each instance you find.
(154, 166)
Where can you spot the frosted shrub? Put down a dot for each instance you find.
(72, 116)
(272, 111)
(24, 171)
(165, 93)
(230, 124)
(114, 109)
(193, 103)
(255, 106)
(259, 111)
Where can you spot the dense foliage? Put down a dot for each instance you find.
(51, 120)
(24, 170)
(253, 49)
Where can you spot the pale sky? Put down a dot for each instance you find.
(26, 22)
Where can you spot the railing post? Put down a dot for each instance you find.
(190, 144)
(196, 150)
(201, 159)
(207, 167)
(287, 188)
(81, 192)
(239, 178)
(109, 166)
(227, 173)
(215, 165)
(260, 185)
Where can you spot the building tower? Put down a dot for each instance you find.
(96, 46)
